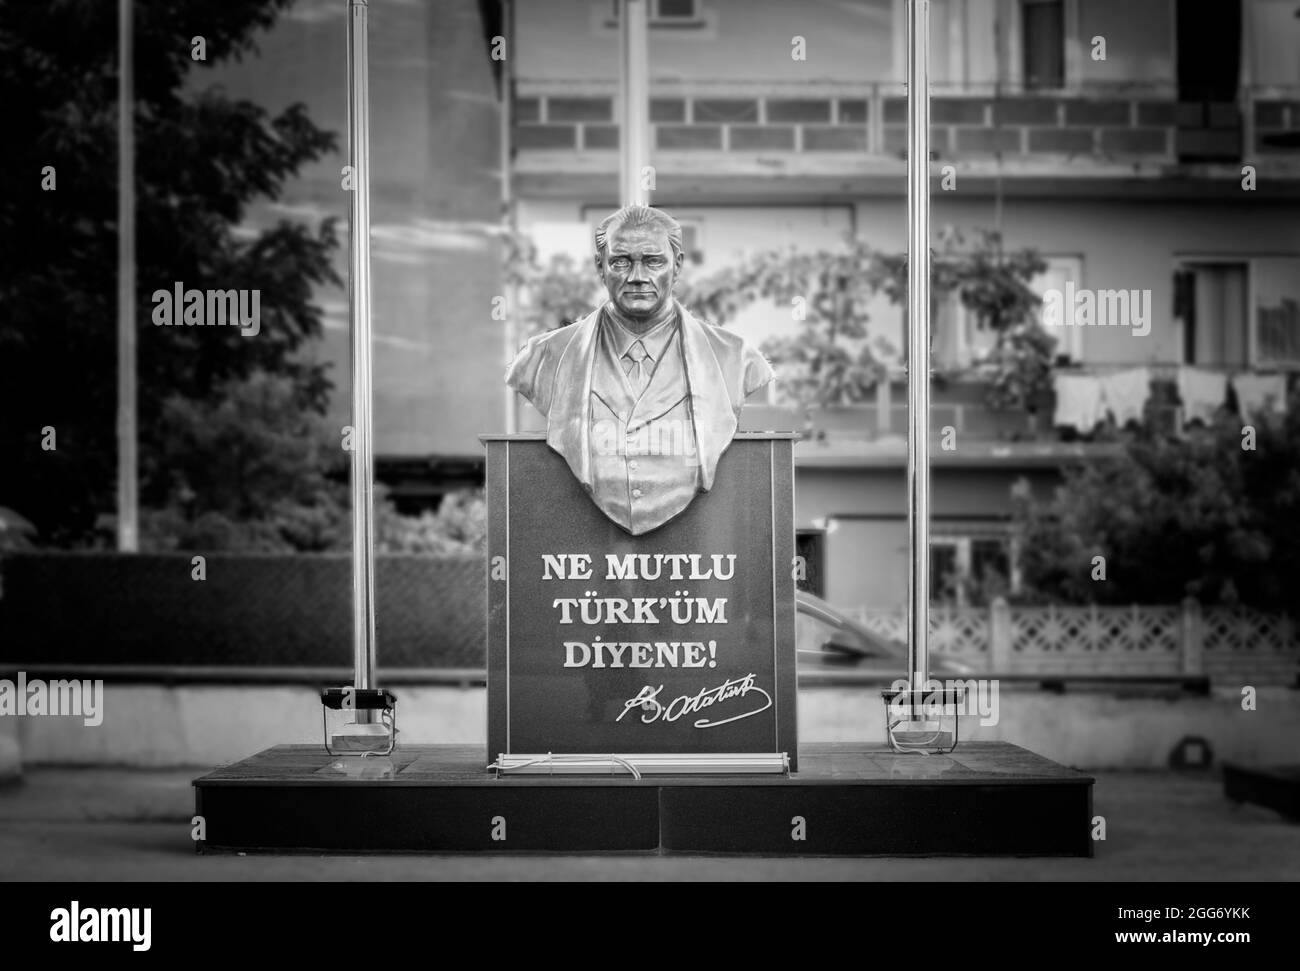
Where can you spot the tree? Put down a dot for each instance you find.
(993, 285)
(1198, 517)
(249, 470)
(201, 159)
(553, 294)
(252, 472)
(831, 362)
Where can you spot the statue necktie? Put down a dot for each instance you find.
(638, 370)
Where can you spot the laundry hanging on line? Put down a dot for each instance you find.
(1202, 393)
(1125, 393)
(1078, 402)
(1260, 392)
(1083, 400)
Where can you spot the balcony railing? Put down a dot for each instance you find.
(960, 404)
(1115, 123)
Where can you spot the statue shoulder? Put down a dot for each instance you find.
(551, 342)
(738, 357)
(539, 356)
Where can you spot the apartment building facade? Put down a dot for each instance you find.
(1149, 150)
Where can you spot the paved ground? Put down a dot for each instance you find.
(96, 824)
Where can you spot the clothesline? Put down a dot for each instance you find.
(1084, 400)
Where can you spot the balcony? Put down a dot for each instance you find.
(959, 402)
(823, 131)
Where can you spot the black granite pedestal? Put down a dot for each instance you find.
(984, 799)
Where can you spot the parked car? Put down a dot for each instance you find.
(827, 637)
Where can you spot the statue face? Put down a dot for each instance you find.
(639, 270)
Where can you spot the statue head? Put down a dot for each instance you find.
(638, 257)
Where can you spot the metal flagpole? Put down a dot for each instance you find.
(127, 484)
(634, 78)
(363, 473)
(509, 212)
(918, 341)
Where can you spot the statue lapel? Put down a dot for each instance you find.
(667, 386)
(715, 418)
(608, 382)
(569, 422)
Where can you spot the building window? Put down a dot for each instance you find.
(971, 570)
(676, 10)
(811, 545)
(1211, 303)
(1062, 273)
(665, 13)
(692, 241)
(962, 341)
(1043, 44)
(945, 572)
(1275, 289)
(1237, 313)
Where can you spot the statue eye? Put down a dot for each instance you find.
(655, 262)
(620, 263)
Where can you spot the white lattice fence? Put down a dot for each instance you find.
(1229, 645)
(960, 631)
(891, 624)
(1249, 646)
(1096, 640)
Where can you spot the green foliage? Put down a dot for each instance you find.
(832, 361)
(1019, 368)
(993, 285)
(990, 282)
(201, 158)
(247, 469)
(1199, 517)
(250, 471)
(459, 526)
(553, 294)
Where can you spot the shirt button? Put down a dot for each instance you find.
(631, 466)
(636, 493)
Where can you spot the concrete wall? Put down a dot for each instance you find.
(877, 492)
(856, 40)
(864, 511)
(149, 726)
(741, 40)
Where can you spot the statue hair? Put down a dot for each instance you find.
(630, 217)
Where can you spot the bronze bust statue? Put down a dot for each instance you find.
(641, 398)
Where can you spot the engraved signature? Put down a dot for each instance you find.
(652, 709)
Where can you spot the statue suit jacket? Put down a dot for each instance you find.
(642, 458)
